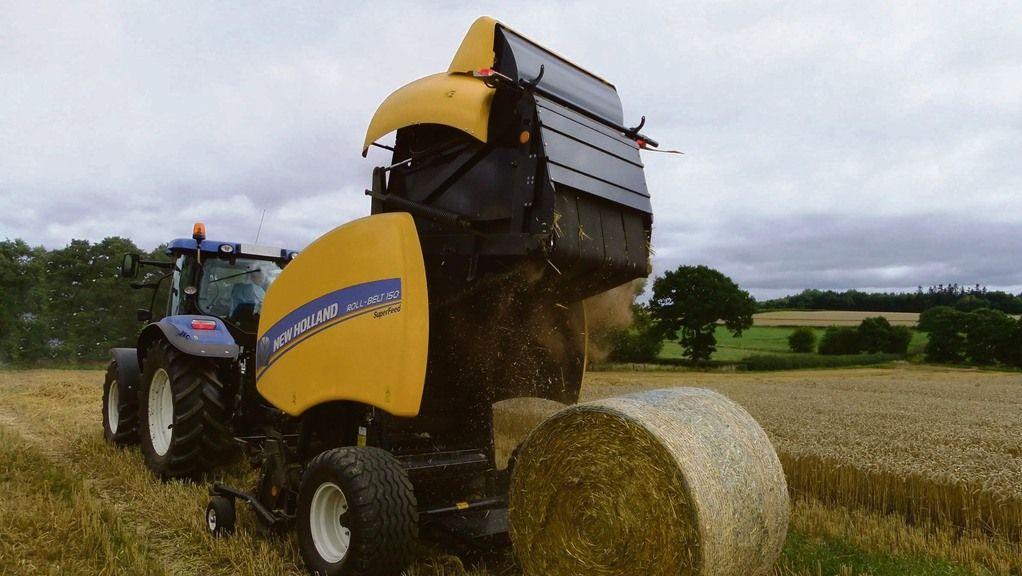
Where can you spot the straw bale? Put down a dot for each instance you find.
(663, 482)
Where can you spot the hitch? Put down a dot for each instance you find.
(270, 517)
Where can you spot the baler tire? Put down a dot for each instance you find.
(379, 501)
(220, 517)
(199, 437)
(120, 411)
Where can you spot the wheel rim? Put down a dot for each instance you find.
(327, 522)
(211, 519)
(113, 413)
(161, 412)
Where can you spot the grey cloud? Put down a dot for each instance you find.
(820, 138)
(826, 251)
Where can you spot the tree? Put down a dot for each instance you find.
(840, 341)
(988, 333)
(802, 340)
(89, 308)
(875, 334)
(901, 337)
(947, 341)
(1011, 353)
(933, 317)
(22, 334)
(688, 302)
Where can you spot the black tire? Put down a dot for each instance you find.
(199, 439)
(120, 411)
(220, 517)
(381, 515)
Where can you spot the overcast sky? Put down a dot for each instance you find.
(831, 145)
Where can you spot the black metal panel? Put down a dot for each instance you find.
(590, 157)
(581, 128)
(582, 181)
(615, 249)
(593, 162)
(520, 59)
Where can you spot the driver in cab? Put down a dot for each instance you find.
(247, 295)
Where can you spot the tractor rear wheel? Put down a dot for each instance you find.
(120, 411)
(183, 430)
(357, 514)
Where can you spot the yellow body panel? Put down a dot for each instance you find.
(456, 100)
(476, 50)
(348, 319)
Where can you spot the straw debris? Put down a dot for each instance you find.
(664, 482)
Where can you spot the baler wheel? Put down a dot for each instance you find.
(357, 514)
(183, 424)
(120, 411)
(220, 517)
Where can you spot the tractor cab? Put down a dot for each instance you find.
(226, 280)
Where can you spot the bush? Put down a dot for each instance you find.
(840, 341)
(641, 342)
(795, 362)
(988, 335)
(1011, 354)
(635, 345)
(802, 340)
(901, 337)
(935, 316)
(946, 327)
(875, 334)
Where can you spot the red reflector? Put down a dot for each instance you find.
(203, 325)
(640, 142)
(483, 73)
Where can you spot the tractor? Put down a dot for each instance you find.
(363, 384)
(187, 388)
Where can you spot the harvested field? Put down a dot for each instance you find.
(848, 440)
(937, 447)
(817, 318)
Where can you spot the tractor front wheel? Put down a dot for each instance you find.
(120, 411)
(183, 430)
(357, 514)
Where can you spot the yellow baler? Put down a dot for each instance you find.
(514, 191)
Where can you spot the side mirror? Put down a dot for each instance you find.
(143, 315)
(129, 266)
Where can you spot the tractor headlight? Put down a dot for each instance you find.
(226, 249)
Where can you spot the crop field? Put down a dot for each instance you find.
(907, 470)
(767, 340)
(830, 318)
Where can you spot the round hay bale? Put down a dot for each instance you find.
(664, 482)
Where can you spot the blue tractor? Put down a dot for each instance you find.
(188, 386)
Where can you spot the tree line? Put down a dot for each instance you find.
(981, 337)
(70, 305)
(67, 305)
(962, 298)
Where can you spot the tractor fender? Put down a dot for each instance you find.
(128, 372)
(179, 333)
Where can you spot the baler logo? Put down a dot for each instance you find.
(305, 324)
(322, 313)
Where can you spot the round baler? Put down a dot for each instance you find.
(514, 191)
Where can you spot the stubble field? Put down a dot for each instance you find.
(824, 318)
(907, 470)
